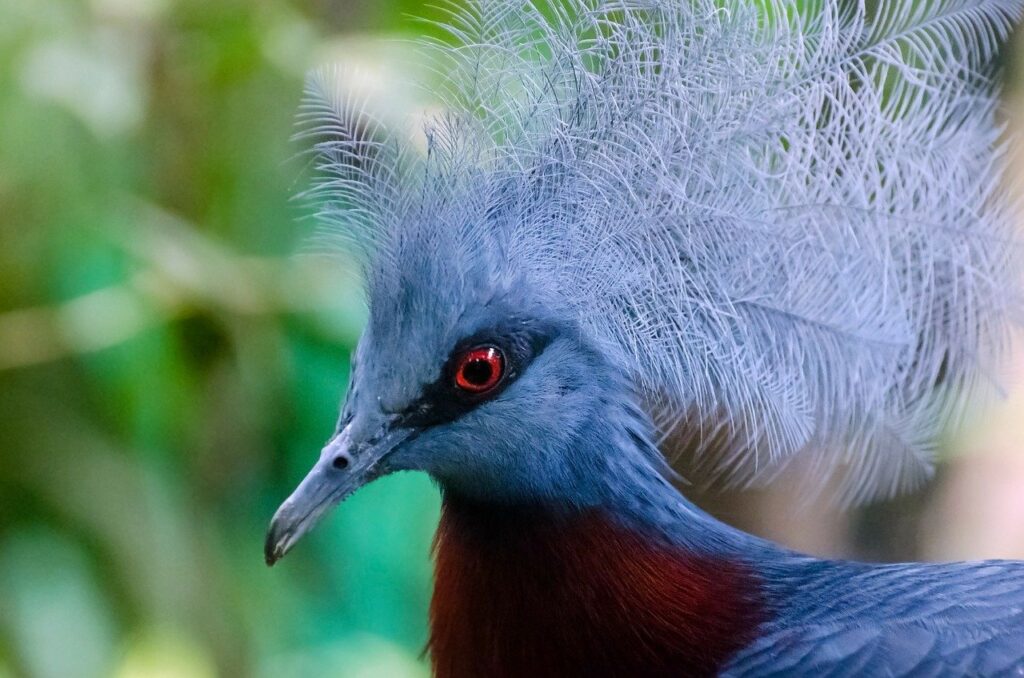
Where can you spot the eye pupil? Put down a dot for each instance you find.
(480, 369)
(478, 372)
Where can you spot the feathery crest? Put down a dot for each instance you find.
(784, 215)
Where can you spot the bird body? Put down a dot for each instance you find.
(776, 227)
(584, 596)
(855, 619)
(656, 587)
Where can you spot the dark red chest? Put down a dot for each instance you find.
(523, 592)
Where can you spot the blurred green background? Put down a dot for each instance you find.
(169, 367)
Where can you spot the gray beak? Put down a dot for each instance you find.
(343, 468)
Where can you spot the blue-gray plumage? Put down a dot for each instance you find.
(773, 224)
(851, 619)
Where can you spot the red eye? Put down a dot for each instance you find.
(480, 369)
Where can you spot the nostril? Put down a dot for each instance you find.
(340, 462)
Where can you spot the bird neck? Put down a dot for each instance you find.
(542, 590)
(636, 580)
(634, 488)
(641, 498)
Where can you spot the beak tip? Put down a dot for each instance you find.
(321, 489)
(273, 549)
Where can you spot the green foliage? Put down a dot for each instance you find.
(168, 367)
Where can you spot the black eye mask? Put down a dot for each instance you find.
(442, 401)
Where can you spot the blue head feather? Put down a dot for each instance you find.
(780, 220)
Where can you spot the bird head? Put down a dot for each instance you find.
(471, 374)
(693, 209)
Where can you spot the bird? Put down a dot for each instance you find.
(779, 230)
